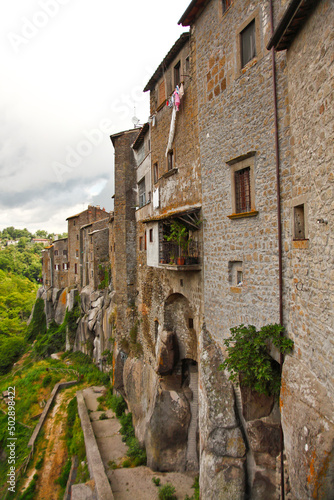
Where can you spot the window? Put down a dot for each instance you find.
(142, 193)
(77, 253)
(243, 186)
(247, 42)
(74, 223)
(191, 323)
(226, 5)
(155, 173)
(151, 235)
(299, 222)
(56, 252)
(170, 160)
(187, 65)
(65, 266)
(57, 267)
(162, 92)
(77, 236)
(242, 190)
(177, 75)
(64, 252)
(75, 268)
(235, 271)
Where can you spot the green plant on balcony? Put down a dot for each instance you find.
(179, 234)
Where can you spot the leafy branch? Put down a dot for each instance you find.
(248, 360)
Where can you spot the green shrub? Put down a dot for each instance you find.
(117, 404)
(167, 492)
(62, 479)
(248, 358)
(37, 325)
(47, 380)
(156, 481)
(103, 416)
(29, 493)
(136, 452)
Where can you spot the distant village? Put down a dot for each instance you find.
(223, 209)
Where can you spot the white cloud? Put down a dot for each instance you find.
(82, 63)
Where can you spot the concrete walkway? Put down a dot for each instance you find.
(127, 483)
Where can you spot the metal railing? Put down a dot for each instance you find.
(171, 253)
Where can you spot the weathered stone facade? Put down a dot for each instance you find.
(75, 222)
(308, 259)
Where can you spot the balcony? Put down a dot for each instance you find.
(173, 258)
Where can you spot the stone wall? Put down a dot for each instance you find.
(308, 389)
(125, 228)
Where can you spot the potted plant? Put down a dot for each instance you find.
(179, 234)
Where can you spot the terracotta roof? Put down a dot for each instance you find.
(293, 19)
(193, 10)
(167, 60)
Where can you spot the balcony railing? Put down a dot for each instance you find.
(172, 254)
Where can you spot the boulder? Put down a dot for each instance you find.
(167, 354)
(223, 478)
(167, 432)
(61, 307)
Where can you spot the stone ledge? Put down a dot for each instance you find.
(95, 464)
(59, 385)
(169, 173)
(253, 213)
(300, 243)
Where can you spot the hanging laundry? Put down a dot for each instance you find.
(171, 131)
(177, 100)
(181, 91)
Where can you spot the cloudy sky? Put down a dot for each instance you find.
(72, 73)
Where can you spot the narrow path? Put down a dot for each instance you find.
(128, 483)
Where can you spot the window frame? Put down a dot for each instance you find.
(170, 165)
(254, 17)
(236, 165)
(142, 192)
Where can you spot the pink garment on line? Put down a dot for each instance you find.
(177, 100)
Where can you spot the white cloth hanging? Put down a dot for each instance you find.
(171, 131)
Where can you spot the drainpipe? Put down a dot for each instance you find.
(279, 225)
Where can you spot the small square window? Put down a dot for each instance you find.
(247, 41)
(299, 222)
(170, 160)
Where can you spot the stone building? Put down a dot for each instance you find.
(304, 33)
(91, 214)
(60, 264)
(124, 230)
(264, 136)
(47, 266)
(94, 253)
(167, 310)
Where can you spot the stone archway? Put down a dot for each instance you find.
(181, 346)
